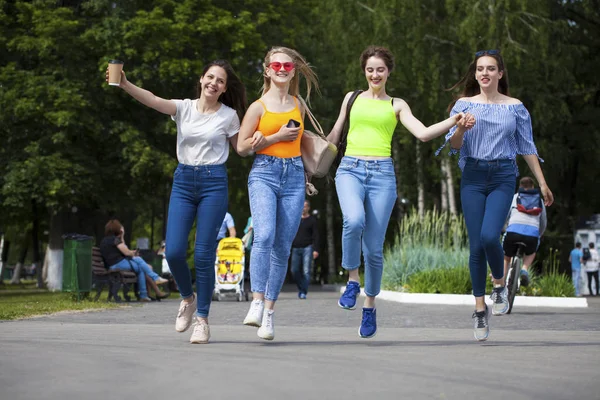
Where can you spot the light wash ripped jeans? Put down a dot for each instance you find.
(276, 189)
(367, 193)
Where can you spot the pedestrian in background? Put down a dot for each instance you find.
(305, 249)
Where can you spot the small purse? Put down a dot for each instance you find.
(318, 153)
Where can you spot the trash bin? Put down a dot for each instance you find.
(77, 264)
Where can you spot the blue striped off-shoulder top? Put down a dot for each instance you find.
(501, 132)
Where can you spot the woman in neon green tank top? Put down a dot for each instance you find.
(365, 180)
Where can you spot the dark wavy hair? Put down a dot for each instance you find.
(469, 85)
(235, 95)
(379, 52)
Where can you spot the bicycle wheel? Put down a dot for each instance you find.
(513, 281)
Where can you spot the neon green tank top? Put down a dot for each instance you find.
(372, 125)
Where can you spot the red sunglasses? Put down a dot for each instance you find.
(276, 66)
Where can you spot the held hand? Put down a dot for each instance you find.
(123, 78)
(464, 120)
(258, 139)
(286, 134)
(547, 195)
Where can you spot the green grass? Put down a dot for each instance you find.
(24, 285)
(16, 305)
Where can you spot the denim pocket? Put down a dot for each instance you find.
(178, 171)
(261, 162)
(387, 169)
(347, 165)
(297, 163)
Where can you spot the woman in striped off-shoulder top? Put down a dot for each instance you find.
(488, 162)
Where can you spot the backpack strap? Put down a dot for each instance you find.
(346, 129)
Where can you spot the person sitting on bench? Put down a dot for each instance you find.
(118, 257)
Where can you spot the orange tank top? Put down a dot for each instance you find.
(271, 122)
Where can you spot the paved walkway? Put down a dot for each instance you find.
(420, 352)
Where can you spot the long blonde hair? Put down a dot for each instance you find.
(302, 68)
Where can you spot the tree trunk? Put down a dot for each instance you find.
(152, 244)
(35, 242)
(2, 257)
(444, 188)
(16, 278)
(450, 186)
(420, 185)
(53, 262)
(399, 203)
(331, 263)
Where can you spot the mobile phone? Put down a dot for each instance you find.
(292, 123)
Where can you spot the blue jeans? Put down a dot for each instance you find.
(367, 194)
(139, 266)
(486, 192)
(576, 276)
(302, 258)
(276, 189)
(199, 194)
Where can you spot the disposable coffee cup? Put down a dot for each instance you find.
(114, 72)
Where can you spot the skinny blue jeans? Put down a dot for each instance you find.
(486, 192)
(367, 193)
(302, 258)
(276, 189)
(139, 266)
(198, 194)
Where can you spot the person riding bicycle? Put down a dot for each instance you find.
(526, 224)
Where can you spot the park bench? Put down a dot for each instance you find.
(101, 277)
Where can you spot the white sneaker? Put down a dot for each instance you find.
(499, 300)
(255, 314)
(185, 315)
(267, 329)
(201, 333)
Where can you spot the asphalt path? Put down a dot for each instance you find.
(420, 352)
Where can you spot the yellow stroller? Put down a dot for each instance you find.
(229, 269)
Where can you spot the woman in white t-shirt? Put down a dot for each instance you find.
(591, 266)
(205, 127)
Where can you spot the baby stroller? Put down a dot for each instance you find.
(229, 269)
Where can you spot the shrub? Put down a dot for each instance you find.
(553, 283)
(453, 280)
(437, 240)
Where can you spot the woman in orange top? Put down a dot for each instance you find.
(276, 181)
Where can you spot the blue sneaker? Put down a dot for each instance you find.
(368, 326)
(302, 296)
(348, 299)
(524, 278)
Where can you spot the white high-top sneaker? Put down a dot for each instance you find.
(255, 314)
(267, 329)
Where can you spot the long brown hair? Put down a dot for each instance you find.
(302, 68)
(235, 95)
(469, 84)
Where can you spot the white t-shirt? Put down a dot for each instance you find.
(591, 265)
(202, 139)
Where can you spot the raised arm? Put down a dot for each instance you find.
(336, 132)
(146, 97)
(417, 128)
